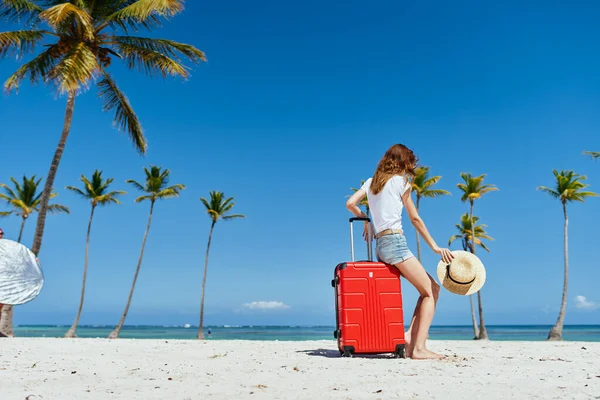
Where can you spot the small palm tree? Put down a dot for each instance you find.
(422, 186)
(465, 235)
(569, 187)
(217, 208)
(155, 188)
(593, 154)
(96, 192)
(79, 40)
(24, 201)
(473, 188)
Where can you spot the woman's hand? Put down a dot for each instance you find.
(367, 232)
(446, 254)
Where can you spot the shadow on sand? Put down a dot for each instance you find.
(330, 353)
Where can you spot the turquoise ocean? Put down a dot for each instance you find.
(589, 333)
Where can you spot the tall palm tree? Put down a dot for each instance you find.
(96, 192)
(422, 186)
(79, 40)
(155, 188)
(217, 208)
(473, 188)
(568, 187)
(593, 154)
(24, 201)
(465, 235)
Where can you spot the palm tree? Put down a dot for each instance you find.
(155, 188)
(80, 39)
(217, 208)
(593, 154)
(465, 235)
(569, 187)
(24, 201)
(96, 192)
(473, 189)
(422, 187)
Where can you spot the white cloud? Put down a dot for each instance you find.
(583, 303)
(266, 305)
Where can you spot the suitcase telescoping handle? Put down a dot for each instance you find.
(369, 246)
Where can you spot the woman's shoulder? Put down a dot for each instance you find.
(367, 184)
(400, 182)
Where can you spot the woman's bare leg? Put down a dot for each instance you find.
(414, 323)
(414, 272)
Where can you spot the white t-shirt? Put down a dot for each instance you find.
(386, 206)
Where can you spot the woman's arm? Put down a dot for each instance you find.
(352, 205)
(352, 202)
(419, 225)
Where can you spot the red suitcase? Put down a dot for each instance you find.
(368, 302)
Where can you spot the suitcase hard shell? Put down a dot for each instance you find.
(368, 302)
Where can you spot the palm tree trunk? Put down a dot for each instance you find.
(21, 231)
(418, 239)
(474, 319)
(43, 210)
(201, 326)
(7, 312)
(557, 329)
(482, 330)
(115, 334)
(71, 332)
(6, 325)
(469, 246)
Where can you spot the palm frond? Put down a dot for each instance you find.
(226, 217)
(19, 42)
(142, 198)
(6, 213)
(151, 61)
(453, 238)
(172, 191)
(551, 192)
(169, 48)
(136, 185)
(125, 117)
(36, 69)
(16, 10)
(67, 12)
(78, 191)
(205, 202)
(435, 193)
(593, 154)
(8, 191)
(76, 69)
(58, 208)
(143, 10)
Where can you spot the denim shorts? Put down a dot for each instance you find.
(392, 249)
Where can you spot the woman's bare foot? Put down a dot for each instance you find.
(425, 354)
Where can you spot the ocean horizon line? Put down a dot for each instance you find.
(279, 326)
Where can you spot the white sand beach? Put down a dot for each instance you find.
(62, 369)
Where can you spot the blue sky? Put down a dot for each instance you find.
(296, 104)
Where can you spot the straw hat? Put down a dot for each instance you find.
(464, 276)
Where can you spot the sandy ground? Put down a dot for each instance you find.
(65, 369)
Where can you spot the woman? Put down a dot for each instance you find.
(388, 191)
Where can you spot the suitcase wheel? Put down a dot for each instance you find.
(347, 351)
(400, 351)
